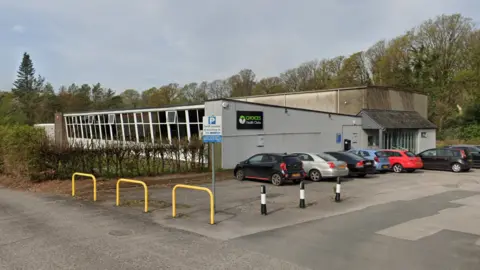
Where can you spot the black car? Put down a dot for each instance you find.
(470, 150)
(456, 160)
(357, 165)
(276, 168)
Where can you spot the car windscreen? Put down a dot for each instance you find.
(409, 154)
(291, 159)
(326, 157)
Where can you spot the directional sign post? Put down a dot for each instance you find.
(212, 133)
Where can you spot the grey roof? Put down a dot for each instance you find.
(398, 119)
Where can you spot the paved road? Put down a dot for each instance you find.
(54, 233)
(436, 230)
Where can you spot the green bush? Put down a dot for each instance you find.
(25, 151)
(19, 149)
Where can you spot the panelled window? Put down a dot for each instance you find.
(156, 126)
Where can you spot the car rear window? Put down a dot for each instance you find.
(381, 154)
(291, 159)
(351, 156)
(326, 157)
(409, 154)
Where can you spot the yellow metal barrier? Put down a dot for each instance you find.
(174, 200)
(86, 175)
(134, 182)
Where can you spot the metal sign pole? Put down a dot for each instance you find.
(213, 176)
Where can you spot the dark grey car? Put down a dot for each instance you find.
(472, 151)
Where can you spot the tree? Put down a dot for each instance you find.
(131, 99)
(27, 88)
(11, 111)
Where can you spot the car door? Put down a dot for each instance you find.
(428, 158)
(250, 167)
(395, 158)
(264, 169)
(307, 161)
(443, 159)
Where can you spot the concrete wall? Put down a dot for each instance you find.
(294, 130)
(348, 100)
(426, 143)
(394, 99)
(49, 130)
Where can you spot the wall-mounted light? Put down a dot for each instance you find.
(225, 105)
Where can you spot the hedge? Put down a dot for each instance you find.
(26, 151)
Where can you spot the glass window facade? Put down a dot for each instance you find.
(400, 139)
(155, 125)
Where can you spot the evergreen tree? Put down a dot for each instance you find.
(25, 82)
(27, 88)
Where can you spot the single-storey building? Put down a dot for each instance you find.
(253, 125)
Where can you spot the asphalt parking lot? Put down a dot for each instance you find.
(238, 202)
(423, 220)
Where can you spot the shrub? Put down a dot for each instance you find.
(25, 151)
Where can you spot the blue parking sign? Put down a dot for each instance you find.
(339, 138)
(212, 120)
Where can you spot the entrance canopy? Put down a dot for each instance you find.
(388, 119)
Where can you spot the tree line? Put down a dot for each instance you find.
(440, 57)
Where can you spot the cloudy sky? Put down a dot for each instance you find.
(138, 44)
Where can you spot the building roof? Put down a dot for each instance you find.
(282, 107)
(138, 110)
(398, 119)
(362, 87)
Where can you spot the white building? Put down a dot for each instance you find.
(276, 128)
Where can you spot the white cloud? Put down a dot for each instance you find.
(18, 28)
(138, 44)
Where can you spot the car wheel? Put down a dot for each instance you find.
(398, 168)
(410, 170)
(276, 179)
(240, 175)
(315, 175)
(361, 175)
(456, 167)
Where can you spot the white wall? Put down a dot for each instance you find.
(294, 130)
(49, 129)
(426, 143)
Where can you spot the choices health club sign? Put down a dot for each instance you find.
(249, 120)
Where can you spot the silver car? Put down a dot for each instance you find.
(320, 165)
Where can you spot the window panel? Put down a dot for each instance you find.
(163, 117)
(174, 131)
(155, 118)
(192, 116)
(147, 133)
(182, 118)
(183, 130)
(70, 131)
(146, 117)
(164, 132)
(201, 114)
(194, 130)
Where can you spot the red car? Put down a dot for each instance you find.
(403, 160)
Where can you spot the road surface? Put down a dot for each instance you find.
(406, 227)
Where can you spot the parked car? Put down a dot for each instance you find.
(273, 167)
(452, 159)
(321, 165)
(403, 160)
(357, 165)
(380, 160)
(470, 150)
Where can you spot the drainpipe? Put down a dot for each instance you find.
(380, 138)
(338, 100)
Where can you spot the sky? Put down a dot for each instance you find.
(140, 44)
